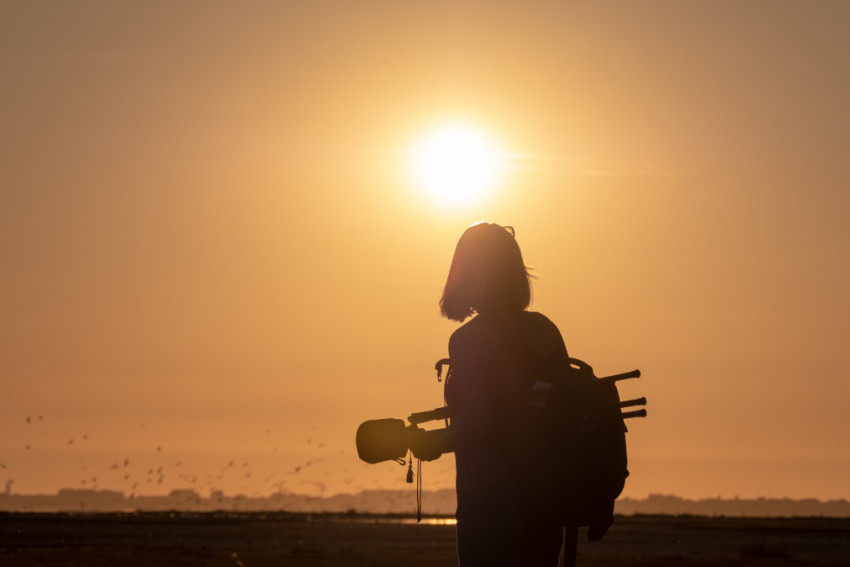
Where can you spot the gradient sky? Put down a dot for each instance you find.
(214, 265)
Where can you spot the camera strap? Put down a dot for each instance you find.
(410, 477)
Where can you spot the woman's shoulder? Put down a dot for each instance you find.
(531, 322)
(485, 336)
(477, 337)
(537, 318)
(543, 334)
(473, 328)
(538, 322)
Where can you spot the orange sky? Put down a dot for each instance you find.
(210, 250)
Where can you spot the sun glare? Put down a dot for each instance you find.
(455, 164)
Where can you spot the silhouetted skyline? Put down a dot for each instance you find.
(397, 502)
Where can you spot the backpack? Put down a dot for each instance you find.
(568, 446)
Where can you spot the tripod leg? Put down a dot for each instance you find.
(570, 546)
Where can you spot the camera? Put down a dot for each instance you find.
(380, 440)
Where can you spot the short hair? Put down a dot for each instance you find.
(487, 274)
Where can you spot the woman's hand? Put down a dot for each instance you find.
(429, 445)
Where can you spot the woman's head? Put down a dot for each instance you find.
(487, 274)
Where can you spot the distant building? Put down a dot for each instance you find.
(188, 496)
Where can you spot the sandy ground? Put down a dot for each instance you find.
(254, 540)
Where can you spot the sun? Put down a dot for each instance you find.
(455, 164)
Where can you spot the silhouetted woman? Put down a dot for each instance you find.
(490, 355)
